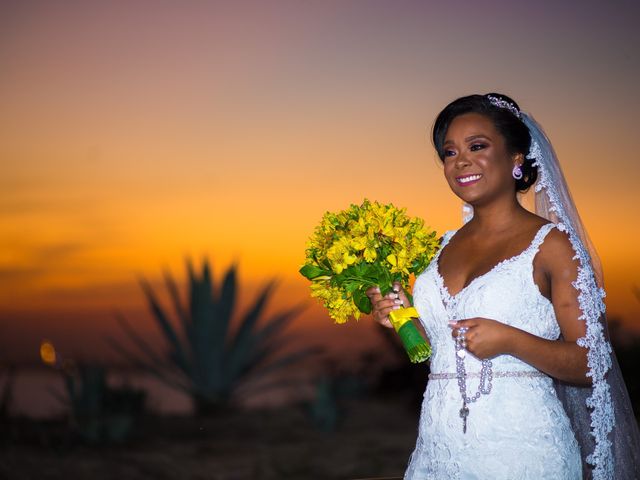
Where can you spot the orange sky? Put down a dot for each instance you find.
(133, 135)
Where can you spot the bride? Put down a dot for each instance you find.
(523, 382)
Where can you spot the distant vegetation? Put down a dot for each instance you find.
(205, 356)
(99, 412)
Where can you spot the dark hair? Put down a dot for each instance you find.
(516, 134)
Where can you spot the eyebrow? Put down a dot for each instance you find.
(468, 139)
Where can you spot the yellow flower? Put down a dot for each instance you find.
(359, 235)
(370, 254)
(399, 262)
(359, 243)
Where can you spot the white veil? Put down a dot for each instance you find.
(601, 414)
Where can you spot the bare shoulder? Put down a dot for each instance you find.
(557, 242)
(556, 254)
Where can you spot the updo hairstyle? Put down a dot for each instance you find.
(515, 132)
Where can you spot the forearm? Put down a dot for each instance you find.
(557, 358)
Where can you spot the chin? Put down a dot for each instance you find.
(470, 199)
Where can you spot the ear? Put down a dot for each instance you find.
(518, 159)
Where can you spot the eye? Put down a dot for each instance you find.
(449, 153)
(477, 146)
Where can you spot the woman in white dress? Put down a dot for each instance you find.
(523, 382)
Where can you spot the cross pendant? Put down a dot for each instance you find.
(464, 413)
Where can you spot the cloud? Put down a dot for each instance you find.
(33, 260)
(56, 253)
(20, 274)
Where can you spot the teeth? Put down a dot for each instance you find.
(468, 179)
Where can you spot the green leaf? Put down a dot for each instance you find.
(313, 271)
(362, 269)
(385, 282)
(362, 301)
(351, 286)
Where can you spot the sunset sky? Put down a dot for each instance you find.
(136, 134)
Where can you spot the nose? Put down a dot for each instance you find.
(462, 160)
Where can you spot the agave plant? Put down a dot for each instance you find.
(206, 358)
(99, 412)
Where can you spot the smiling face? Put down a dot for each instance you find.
(477, 165)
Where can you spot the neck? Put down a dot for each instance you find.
(498, 215)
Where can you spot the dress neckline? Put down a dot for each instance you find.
(449, 299)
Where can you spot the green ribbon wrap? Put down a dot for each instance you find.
(414, 344)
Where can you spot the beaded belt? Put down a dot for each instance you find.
(448, 376)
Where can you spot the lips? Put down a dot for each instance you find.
(465, 180)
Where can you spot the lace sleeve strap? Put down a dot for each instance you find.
(446, 236)
(541, 235)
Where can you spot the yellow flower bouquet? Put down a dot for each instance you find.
(366, 245)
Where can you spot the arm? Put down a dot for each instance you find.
(562, 359)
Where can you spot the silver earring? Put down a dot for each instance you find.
(517, 172)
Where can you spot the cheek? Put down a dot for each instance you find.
(448, 169)
(485, 161)
(449, 176)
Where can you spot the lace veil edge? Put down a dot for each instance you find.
(600, 414)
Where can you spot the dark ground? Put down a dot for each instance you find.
(374, 439)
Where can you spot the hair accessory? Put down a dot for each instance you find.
(517, 172)
(500, 103)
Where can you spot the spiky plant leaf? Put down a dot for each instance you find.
(137, 339)
(167, 329)
(150, 368)
(244, 342)
(211, 361)
(178, 308)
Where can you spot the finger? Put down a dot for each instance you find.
(392, 294)
(405, 299)
(376, 297)
(385, 322)
(372, 291)
(468, 323)
(470, 337)
(399, 294)
(388, 303)
(398, 291)
(382, 317)
(455, 333)
(382, 308)
(402, 296)
(394, 298)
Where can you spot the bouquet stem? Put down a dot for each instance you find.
(416, 347)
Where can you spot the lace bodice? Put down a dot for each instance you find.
(485, 296)
(520, 429)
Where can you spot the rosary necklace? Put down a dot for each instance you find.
(486, 375)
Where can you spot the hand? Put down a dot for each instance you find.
(381, 306)
(485, 338)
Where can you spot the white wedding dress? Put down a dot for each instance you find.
(520, 429)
